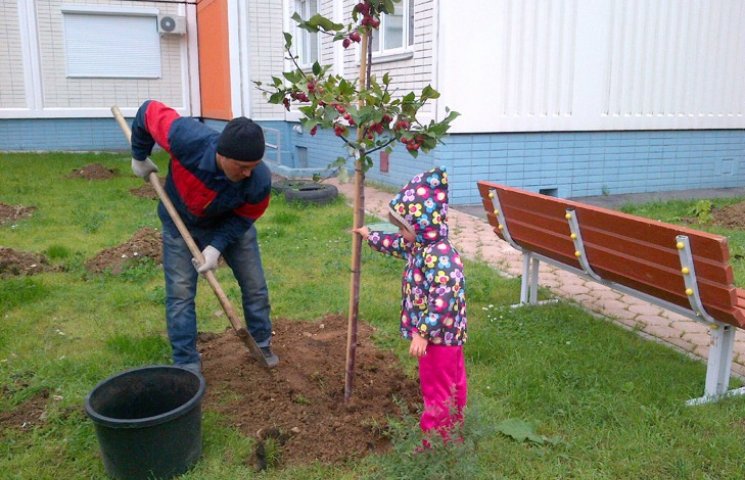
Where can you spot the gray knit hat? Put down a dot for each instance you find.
(242, 140)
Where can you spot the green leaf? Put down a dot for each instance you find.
(317, 22)
(521, 431)
(388, 6)
(317, 69)
(288, 40)
(308, 123)
(429, 93)
(308, 110)
(276, 97)
(294, 76)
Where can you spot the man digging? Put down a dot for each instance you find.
(220, 187)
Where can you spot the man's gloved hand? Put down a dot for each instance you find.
(142, 168)
(211, 256)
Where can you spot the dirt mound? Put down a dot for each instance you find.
(301, 402)
(28, 415)
(10, 213)
(94, 171)
(147, 190)
(14, 263)
(145, 243)
(731, 216)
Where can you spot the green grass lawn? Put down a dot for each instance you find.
(595, 401)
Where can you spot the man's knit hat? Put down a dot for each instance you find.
(241, 140)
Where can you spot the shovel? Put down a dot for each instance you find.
(227, 307)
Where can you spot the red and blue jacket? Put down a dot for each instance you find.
(214, 209)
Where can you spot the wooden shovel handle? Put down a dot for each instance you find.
(196, 253)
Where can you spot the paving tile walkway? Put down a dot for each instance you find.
(473, 236)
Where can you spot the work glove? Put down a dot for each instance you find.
(211, 256)
(142, 168)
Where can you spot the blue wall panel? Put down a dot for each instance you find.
(63, 134)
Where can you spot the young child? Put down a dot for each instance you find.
(433, 307)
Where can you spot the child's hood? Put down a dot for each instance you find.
(423, 204)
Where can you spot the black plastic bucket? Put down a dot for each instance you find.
(148, 421)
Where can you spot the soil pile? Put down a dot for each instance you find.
(731, 216)
(14, 263)
(145, 243)
(94, 171)
(300, 403)
(11, 213)
(30, 414)
(146, 190)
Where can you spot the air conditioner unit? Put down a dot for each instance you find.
(171, 24)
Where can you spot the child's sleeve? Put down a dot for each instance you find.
(388, 243)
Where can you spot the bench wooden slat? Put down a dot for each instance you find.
(625, 249)
(705, 245)
(557, 233)
(648, 277)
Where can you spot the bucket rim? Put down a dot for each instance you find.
(145, 421)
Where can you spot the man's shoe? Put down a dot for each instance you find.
(271, 359)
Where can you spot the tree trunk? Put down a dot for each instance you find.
(359, 219)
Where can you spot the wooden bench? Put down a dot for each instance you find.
(681, 269)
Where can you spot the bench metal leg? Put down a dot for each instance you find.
(719, 366)
(529, 283)
(533, 287)
(720, 360)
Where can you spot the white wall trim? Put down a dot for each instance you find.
(192, 97)
(234, 58)
(338, 48)
(436, 25)
(110, 10)
(30, 52)
(246, 47)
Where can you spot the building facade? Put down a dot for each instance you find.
(565, 97)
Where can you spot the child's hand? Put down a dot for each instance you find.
(363, 231)
(418, 346)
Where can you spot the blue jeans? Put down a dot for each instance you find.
(181, 277)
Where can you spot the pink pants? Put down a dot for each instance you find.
(442, 377)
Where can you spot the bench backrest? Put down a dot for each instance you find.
(629, 250)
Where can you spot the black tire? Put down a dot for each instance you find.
(281, 186)
(312, 192)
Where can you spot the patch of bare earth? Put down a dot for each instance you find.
(146, 190)
(27, 415)
(93, 171)
(300, 403)
(11, 213)
(15, 263)
(731, 216)
(145, 243)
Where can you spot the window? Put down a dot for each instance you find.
(113, 42)
(306, 43)
(396, 32)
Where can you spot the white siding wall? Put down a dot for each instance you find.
(12, 87)
(532, 65)
(411, 74)
(266, 41)
(47, 92)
